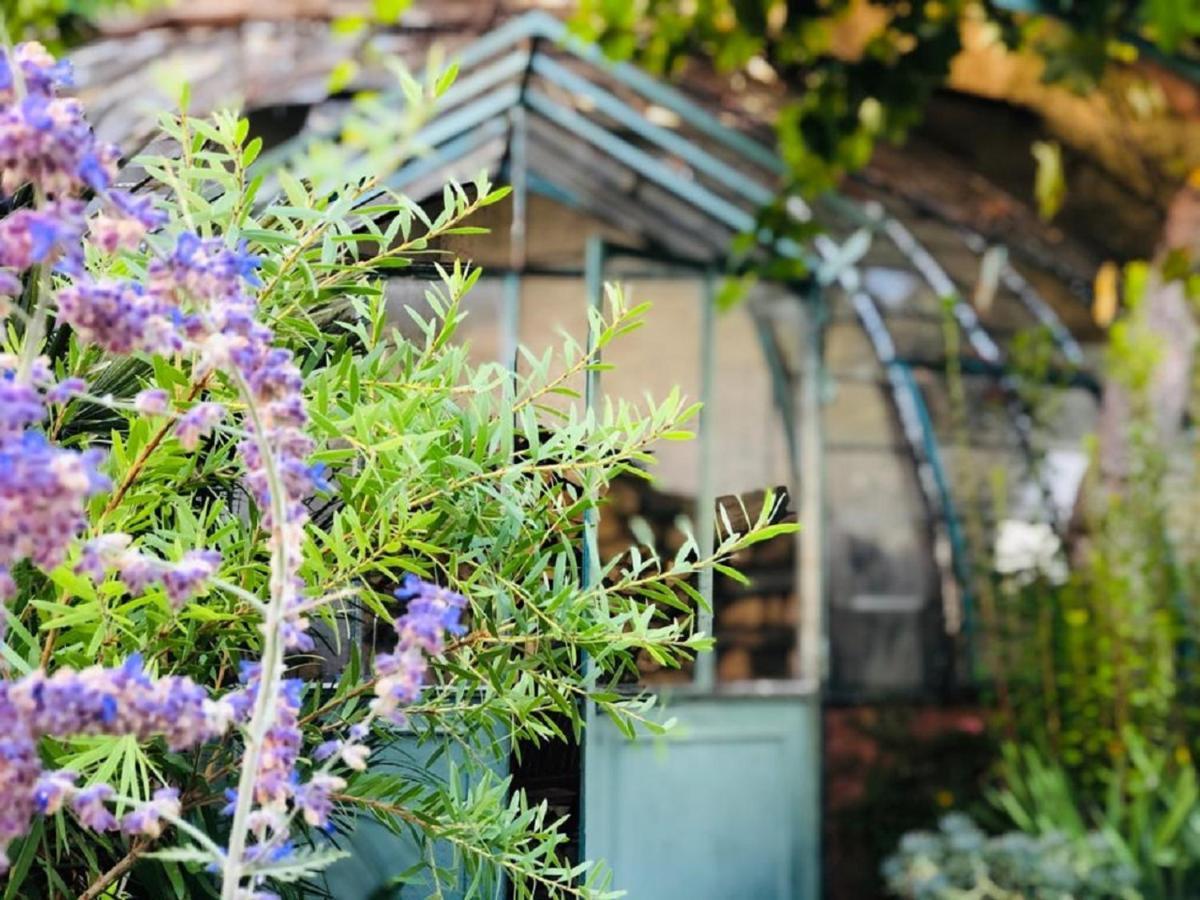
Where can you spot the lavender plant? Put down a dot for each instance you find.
(193, 299)
(210, 442)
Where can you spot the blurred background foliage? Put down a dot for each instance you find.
(59, 23)
(1091, 671)
(862, 72)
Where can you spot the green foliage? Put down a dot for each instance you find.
(1150, 812)
(67, 22)
(847, 93)
(60, 21)
(840, 107)
(1108, 652)
(1097, 671)
(1050, 183)
(471, 476)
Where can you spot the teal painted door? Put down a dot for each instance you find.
(726, 807)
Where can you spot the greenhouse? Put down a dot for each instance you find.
(895, 384)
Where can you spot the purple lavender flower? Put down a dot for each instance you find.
(90, 805)
(314, 800)
(137, 207)
(276, 784)
(241, 700)
(197, 423)
(20, 768)
(40, 71)
(430, 605)
(120, 701)
(207, 273)
(20, 406)
(112, 233)
(294, 624)
(352, 751)
(295, 634)
(184, 579)
(65, 390)
(196, 299)
(45, 140)
(43, 490)
(10, 283)
(148, 818)
(125, 221)
(138, 572)
(119, 316)
(52, 789)
(101, 554)
(29, 237)
(152, 402)
(432, 611)
(281, 748)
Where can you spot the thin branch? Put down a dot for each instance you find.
(443, 833)
(123, 865)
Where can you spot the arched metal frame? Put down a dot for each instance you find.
(495, 110)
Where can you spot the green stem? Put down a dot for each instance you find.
(271, 663)
(35, 329)
(241, 593)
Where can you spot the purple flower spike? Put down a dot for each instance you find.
(10, 283)
(197, 423)
(119, 316)
(432, 611)
(152, 402)
(43, 490)
(20, 768)
(52, 790)
(32, 236)
(65, 390)
(186, 578)
(148, 819)
(314, 799)
(90, 806)
(8, 589)
(181, 580)
(44, 139)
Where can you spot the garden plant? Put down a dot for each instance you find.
(1094, 675)
(224, 471)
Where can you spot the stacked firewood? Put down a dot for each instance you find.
(755, 623)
